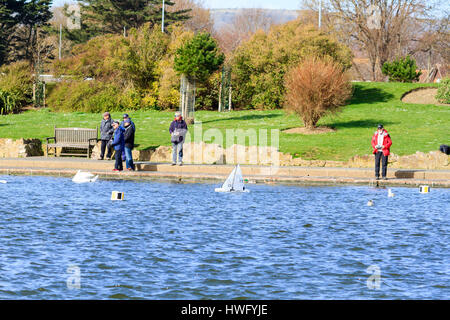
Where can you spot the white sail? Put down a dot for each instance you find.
(234, 182)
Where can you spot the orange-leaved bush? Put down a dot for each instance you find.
(316, 87)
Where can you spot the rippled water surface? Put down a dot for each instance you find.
(184, 241)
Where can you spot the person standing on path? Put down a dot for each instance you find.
(119, 145)
(129, 144)
(178, 129)
(381, 143)
(122, 124)
(106, 134)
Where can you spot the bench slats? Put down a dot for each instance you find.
(73, 138)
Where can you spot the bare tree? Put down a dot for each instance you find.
(383, 29)
(200, 20)
(244, 25)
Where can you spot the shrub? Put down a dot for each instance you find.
(443, 93)
(260, 64)
(85, 96)
(16, 87)
(8, 102)
(401, 70)
(315, 88)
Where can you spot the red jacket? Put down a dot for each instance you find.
(387, 142)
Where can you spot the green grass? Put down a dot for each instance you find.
(412, 127)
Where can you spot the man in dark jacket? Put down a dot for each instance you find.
(178, 129)
(122, 124)
(106, 133)
(118, 144)
(129, 144)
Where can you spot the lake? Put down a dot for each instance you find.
(61, 240)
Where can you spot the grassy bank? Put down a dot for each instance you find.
(412, 127)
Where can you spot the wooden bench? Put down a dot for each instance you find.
(79, 138)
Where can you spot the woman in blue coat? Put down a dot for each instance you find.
(119, 145)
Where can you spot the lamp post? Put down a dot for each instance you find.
(60, 41)
(320, 14)
(162, 24)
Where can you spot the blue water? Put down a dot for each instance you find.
(184, 241)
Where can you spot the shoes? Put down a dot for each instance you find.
(116, 170)
(180, 164)
(384, 178)
(173, 164)
(377, 178)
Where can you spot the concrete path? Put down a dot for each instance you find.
(216, 173)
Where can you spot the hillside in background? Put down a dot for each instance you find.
(222, 17)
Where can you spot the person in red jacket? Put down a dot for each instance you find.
(381, 143)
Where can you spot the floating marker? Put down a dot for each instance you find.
(370, 203)
(424, 189)
(3, 181)
(117, 195)
(390, 193)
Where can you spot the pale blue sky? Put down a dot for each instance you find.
(216, 4)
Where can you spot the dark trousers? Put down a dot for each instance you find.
(103, 148)
(384, 162)
(118, 165)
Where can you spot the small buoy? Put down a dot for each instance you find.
(370, 203)
(3, 181)
(390, 193)
(424, 189)
(117, 195)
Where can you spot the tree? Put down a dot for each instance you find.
(196, 60)
(112, 16)
(200, 19)
(244, 25)
(315, 88)
(401, 70)
(259, 64)
(9, 19)
(21, 21)
(199, 57)
(382, 28)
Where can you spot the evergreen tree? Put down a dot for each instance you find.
(199, 57)
(19, 25)
(401, 70)
(9, 18)
(112, 16)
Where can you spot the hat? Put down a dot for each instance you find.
(380, 126)
(125, 115)
(177, 114)
(116, 122)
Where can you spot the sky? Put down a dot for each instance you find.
(220, 4)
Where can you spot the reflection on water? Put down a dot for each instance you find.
(184, 241)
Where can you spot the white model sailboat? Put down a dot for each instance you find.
(234, 182)
(83, 177)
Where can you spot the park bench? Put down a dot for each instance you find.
(77, 138)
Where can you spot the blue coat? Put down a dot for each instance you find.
(119, 139)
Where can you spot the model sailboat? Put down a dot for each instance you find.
(234, 182)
